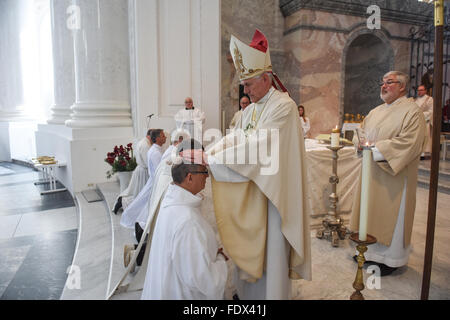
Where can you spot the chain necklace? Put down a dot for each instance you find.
(254, 121)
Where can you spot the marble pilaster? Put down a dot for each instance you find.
(101, 58)
(63, 64)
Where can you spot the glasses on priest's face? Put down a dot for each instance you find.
(388, 83)
(200, 172)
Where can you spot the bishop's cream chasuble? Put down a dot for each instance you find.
(245, 207)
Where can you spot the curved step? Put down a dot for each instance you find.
(120, 235)
(88, 279)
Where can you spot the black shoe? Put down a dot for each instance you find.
(138, 231)
(141, 254)
(384, 269)
(236, 297)
(118, 205)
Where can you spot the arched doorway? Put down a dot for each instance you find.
(367, 59)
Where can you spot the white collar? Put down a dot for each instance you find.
(177, 195)
(266, 97)
(396, 101)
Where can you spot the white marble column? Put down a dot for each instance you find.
(63, 62)
(101, 53)
(11, 89)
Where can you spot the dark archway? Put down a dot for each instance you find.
(366, 61)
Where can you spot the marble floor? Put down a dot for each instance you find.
(37, 236)
(334, 269)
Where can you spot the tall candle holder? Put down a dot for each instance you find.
(333, 226)
(358, 284)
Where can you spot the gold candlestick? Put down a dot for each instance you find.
(358, 284)
(333, 226)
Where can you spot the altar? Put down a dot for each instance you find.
(319, 169)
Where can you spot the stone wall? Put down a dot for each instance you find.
(322, 44)
(241, 18)
(312, 45)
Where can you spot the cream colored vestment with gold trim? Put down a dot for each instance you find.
(242, 223)
(400, 140)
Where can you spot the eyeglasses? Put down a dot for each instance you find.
(203, 172)
(388, 83)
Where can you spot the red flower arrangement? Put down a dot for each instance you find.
(121, 159)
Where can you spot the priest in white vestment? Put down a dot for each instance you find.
(191, 119)
(154, 155)
(139, 177)
(397, 127)
(185, 261)
(425, 103)
(177, 137)
(147, 219)
(261, 207)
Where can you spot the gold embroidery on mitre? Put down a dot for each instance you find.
(243, 71)
(239, 61)
(251, 71)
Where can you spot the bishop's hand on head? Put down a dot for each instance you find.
(196, 156)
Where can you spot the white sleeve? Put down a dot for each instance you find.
(149, 160)
(143, 150)
(199, 115)
(179, 116)
(307, 126)
(197, 268)
(377, 155)
(430, 109)
(154, 161)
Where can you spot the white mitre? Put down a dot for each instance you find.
(251, 60)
